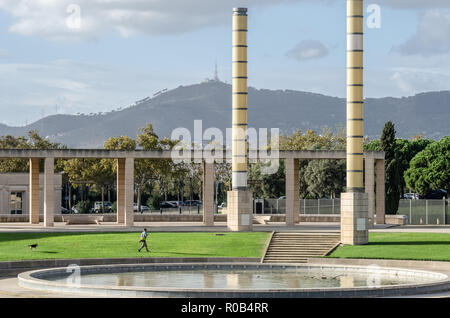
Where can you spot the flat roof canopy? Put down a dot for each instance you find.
(167, 154)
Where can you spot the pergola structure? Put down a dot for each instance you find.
(374, 162)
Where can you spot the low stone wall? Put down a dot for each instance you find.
(156, 217)
(12, 268)
(396, 219)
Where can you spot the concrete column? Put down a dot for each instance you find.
(208, 194)
(354, 203)
(370, 187)
(34, 191)
(354, 221)
(239, 100)
(380, 192)
(120, 187)
(129, 191)
(49, 192)
(355, 95)
(292, 192)
(239, 204)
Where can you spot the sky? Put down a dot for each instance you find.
(90, 56)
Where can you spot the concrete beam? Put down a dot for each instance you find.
(166, 154)
(129, 192)
(208, 194)
(370, 187)
(120, 188)
(49, 192)
(34, 191)
(292, 191)
(380, 191)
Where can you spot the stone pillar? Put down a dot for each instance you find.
(292, 192)
(239, 211)
(354, 221)
(208, 193)
(354, 203)
(239, 204)
(380, 192)
(120, 187)
(49, 192)
(370, 188)
(129, 191)
(34, 191)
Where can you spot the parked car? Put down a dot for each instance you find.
(143, 208)
(64, 210)
(435, 195)
(411, 196)
(98, 207)
(222, 205)
(282, 198)
(193, 203)
(167, 205)
(176, 203)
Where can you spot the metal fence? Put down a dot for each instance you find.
(418, 211)
(307, 206)
(433, 212)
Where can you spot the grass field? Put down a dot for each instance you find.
(406, 246)
(14, 246)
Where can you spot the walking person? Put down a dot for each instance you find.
(143, 240)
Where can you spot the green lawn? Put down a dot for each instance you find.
(14, 246)
(406, 246)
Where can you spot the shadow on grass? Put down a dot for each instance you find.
(5, 237)
(409, 243)
(180, 253)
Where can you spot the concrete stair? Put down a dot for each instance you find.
(298, 247)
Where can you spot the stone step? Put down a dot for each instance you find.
(303, 243)
(298, 247)
(293, 254)
(300, 260)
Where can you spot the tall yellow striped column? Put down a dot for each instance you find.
(239, 200)
(355, 96)
(354, 203)
(239, 103)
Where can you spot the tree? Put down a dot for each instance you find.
(153, 169)
(325, 177)
(430, 168)
(388, 145)
(33, 141)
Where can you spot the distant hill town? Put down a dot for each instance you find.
(289, 110)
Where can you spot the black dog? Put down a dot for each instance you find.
(32, 246)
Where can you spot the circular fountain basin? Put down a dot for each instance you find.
(235, 280)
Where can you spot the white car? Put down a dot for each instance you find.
(411, 196)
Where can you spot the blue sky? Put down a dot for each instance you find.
(127, 50)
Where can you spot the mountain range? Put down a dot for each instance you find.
(210, 101)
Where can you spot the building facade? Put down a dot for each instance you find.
(15, 193)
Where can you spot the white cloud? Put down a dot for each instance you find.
(308, 50)
(432, 36)
(30, 90)
(49, 18)
(414, 4)
(5, 53)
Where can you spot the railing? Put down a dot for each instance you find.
(306, 206)
(418, 211)
(433, 212)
